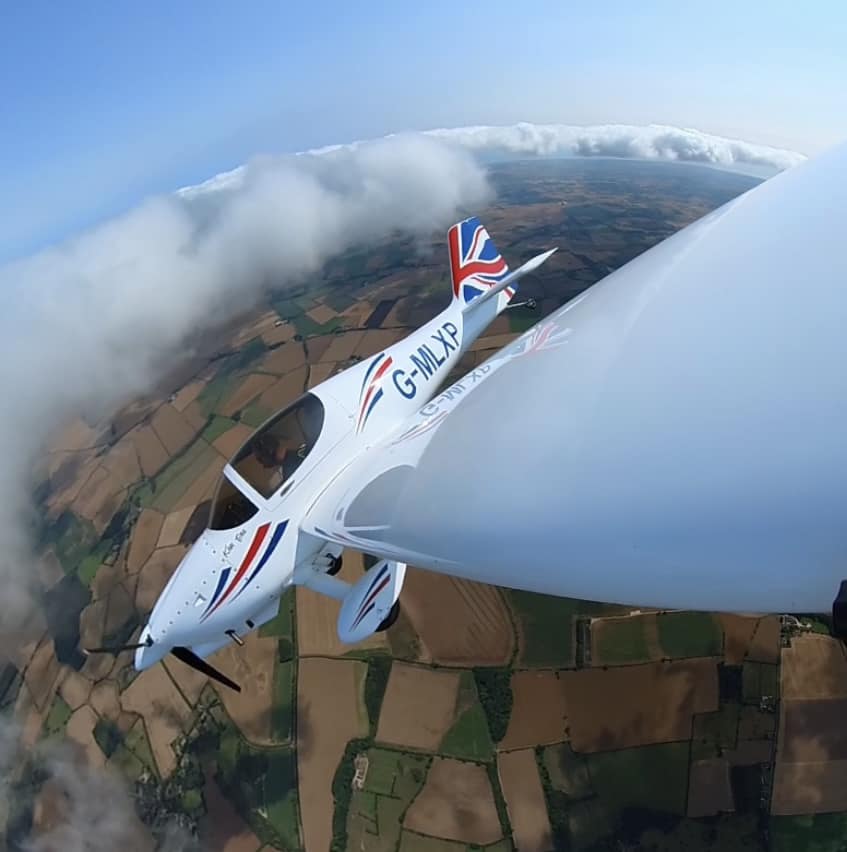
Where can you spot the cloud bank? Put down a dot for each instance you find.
(651, 142)
(656, 141)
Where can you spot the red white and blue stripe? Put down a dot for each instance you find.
(475, 263)
(249, 568)
(371, 391)
(379, 582)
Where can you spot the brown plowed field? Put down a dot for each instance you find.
(289, 356)
(738, 633)
(809, 788)
(248, 390)
(630, 706)
(188, 394)
(343, 346)
(252, 667)
(155, 574)
(231, 441)
(815, 666)
(320, 373)
(811, 761)
(172, 428)
(330, 713)
(321, 313)
(285, 390)
(539, 711)
(143, 540)
(709, 789)
(525, 800)
(153, 695)
(765, 645)
(418, 707)
(460, 622)
(455, 803)
(152, 455)
(173, 526)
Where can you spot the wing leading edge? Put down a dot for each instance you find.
(672, 437)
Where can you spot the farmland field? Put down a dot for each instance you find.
(458, 621)
(525, 800)
(456, 803)
(418, 707)
(331, 713)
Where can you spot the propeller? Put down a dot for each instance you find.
(185, 655)
(117, 649)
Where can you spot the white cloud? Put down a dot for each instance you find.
(654, 141)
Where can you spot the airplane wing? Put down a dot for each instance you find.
(675, 436)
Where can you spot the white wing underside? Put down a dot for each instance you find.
(674, 437)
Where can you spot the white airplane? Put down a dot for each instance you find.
(672, 437)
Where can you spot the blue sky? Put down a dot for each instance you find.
(104, 103)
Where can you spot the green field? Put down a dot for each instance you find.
(547, 625)
(727, 833)
(376, 681)
(375, 816)
(216, 427)
(255, 414)
(262, 785)
(180, 474)
(715, 732)
(283, 624)
(567, 771)
(216, 390)
(137, 742)
(651, 777)
(469, 737)
(72, 539)
(759, 680)
(812, 833)
(620, 641)
(280, 796)
(282, 713)
(89, 566)
(689, 634)
(134, 757)
(57, 717)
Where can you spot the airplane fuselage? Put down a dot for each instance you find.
(231, 580)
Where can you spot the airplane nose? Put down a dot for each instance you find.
(148, 654)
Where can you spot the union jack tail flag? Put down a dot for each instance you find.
(475, 263)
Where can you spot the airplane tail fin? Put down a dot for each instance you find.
(478, 270)
(475, 263)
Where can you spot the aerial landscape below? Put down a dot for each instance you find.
(485, 718)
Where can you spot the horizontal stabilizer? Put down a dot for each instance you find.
(510, 279)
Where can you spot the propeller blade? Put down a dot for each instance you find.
(117, 649)
(187, 656)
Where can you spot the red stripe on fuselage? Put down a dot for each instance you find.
(455, 260)
(377, 376)
(371, 597)
(245, 564)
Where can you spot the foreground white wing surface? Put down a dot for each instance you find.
(673, 437)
